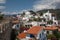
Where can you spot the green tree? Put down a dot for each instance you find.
(32, 12)
(57, 34)
(1, 16)
(49, 36)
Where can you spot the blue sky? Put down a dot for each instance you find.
(17, 5)
(20, 5)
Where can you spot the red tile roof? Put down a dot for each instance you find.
(22, 35)
(50, 28)
(34, 30)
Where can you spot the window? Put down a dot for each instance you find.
(47, 32)
(43, 38)
(45, 15)
(25, 25)
(17, 25)
(42, 25)
(31, 36)
(54, 22)
(28, 35)
(40, 35)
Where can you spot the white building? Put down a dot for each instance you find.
(27, 16)
(47, 16)
(50, 29)
(55, 22)
(34, 23)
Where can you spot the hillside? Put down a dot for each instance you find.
(55, 11)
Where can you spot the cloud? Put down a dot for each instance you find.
(14, 13)
(9, 13)
(46, 4)
(2, 1)
(20, 12)
(4, 12)
(2, 7)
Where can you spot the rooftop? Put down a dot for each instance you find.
(22, 35)
(51, 28)
(34, 30)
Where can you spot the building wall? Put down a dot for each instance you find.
(41, 36)
(48, 32)
(6, 30)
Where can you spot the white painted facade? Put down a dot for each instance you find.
(55, 22)
(34, 23)
(47, 16)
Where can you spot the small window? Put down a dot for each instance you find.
(25, 25)
(28, 35)
(40, 35)
(54, 22)
(45, 15)
(17, 25)
(31, 36)
(47, 32)
(42, 25)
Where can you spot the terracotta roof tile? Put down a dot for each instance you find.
(51, 28)
(34, 30)
(22, 35)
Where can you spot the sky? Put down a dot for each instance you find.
(15, 6)
(46, 4)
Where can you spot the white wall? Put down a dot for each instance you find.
(42, 35)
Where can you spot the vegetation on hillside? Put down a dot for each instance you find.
(55, 11)
(1, 16)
